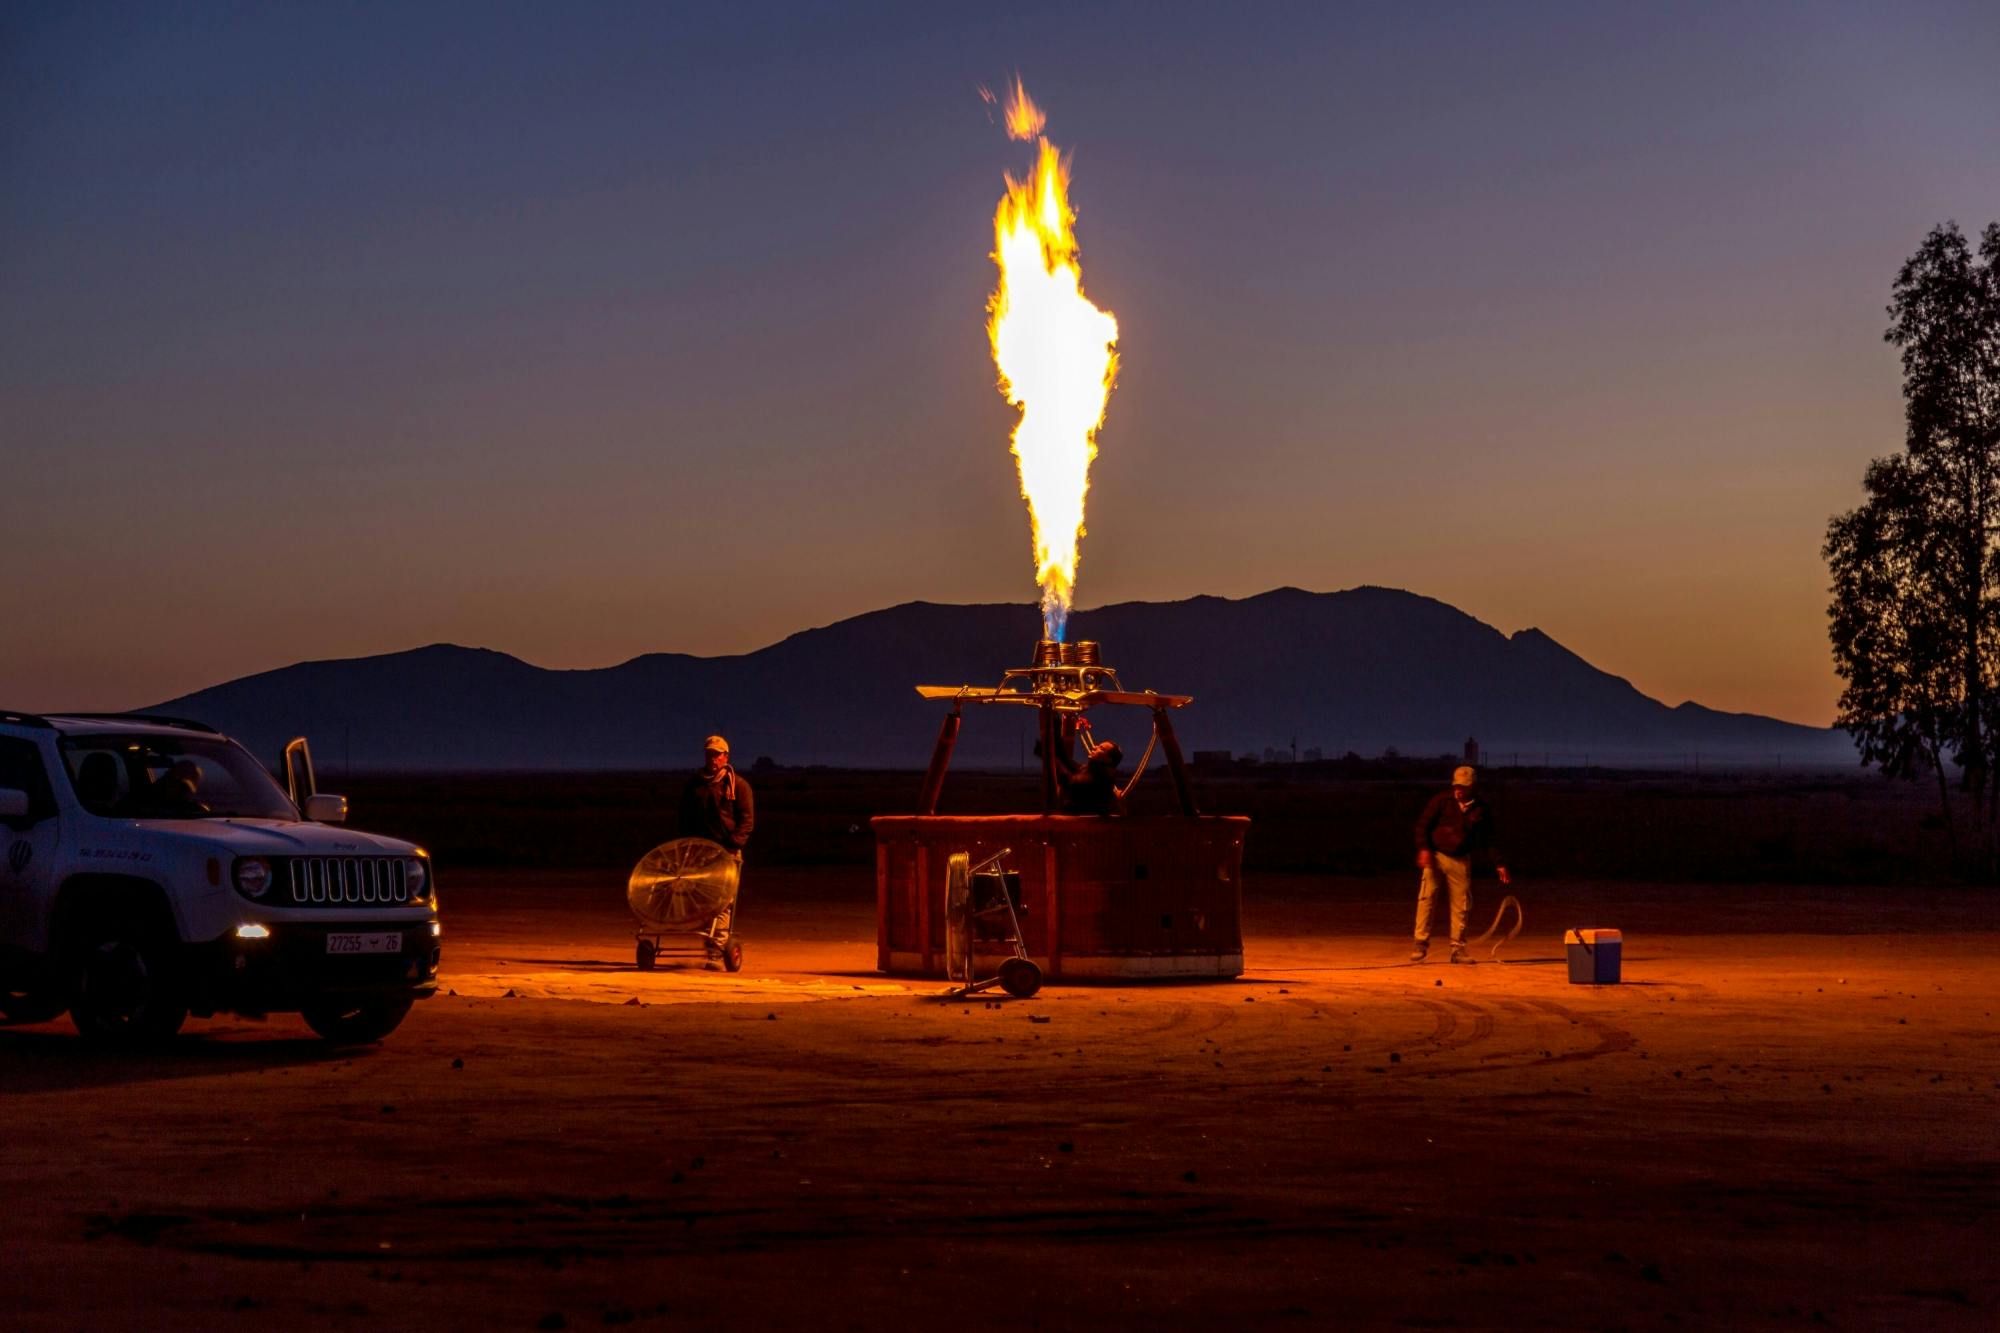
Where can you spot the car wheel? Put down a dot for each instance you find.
(29, 1006)
(128, 989)
(356, 1022)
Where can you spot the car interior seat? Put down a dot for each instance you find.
(97, 782)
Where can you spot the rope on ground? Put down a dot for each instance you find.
(1520, 920)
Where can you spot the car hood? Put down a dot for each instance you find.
(278, 837)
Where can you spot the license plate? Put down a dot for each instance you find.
(392, 942)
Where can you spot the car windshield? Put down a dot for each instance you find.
(171, 777)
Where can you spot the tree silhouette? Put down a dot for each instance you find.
(1915, 617)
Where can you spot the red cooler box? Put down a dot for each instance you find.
(1594, 956)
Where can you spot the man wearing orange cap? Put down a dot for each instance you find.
(1456, 828)
(717, 804)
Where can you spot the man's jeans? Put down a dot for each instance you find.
(1456, 877)
(718, 926)
(718, 929)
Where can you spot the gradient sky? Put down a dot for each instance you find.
(584, 331)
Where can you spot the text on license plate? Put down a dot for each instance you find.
(389, 942)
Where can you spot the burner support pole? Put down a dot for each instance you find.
(940, 761)
(1050, 739)
(1163, 727)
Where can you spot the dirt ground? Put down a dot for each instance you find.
(1789, 1113)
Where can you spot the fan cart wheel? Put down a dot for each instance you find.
(1020, 977)
(732, 957)
(646, 952)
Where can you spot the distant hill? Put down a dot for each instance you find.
(1362, 670)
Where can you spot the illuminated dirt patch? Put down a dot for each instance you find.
(1754, 1126)
(668, 986)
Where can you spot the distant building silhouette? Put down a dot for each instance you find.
(1471, 755)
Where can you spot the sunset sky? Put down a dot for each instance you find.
(583, 331)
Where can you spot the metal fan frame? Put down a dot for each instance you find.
(1020, 976)
(671, 861)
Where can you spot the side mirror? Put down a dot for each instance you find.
(321, 808)
(13, 804)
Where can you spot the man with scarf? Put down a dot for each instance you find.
(716, 804)
(1455, 829)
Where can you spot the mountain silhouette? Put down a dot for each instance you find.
(1362, 670)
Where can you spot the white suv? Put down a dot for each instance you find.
(151, 868)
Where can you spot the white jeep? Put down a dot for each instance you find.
(151, 868)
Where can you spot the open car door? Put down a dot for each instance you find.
(297, 768)
(303, 788)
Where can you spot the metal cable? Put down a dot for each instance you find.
(1139, 772)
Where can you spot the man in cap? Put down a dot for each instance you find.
(1455, 829)
(717, 804)
(1091, 788)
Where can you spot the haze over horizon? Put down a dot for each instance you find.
(586, 333)
(1081, 610)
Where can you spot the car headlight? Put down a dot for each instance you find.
(417, 874)
(253, 876)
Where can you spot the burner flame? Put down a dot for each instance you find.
(1055, 352)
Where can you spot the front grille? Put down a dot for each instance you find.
(348, 881)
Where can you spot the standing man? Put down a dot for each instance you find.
(1455, 829)
(716, 804)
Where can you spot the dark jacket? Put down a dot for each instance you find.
(1090, 789)
(721, 811)
(1466, 834)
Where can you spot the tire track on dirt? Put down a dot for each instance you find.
(1607, 1038)
(1611, 1039)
